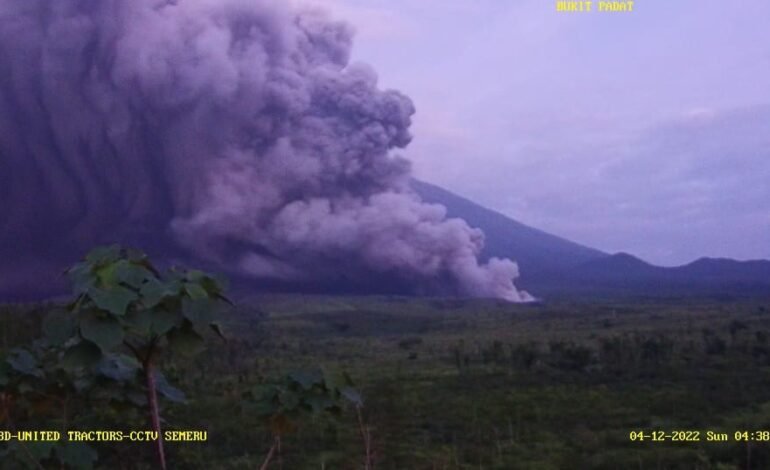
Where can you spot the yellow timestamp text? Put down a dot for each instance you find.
(700, 436)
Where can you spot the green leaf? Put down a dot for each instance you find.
(167, 390)
(139, 321)
(164, 320)
(307, 379)
(199, 312)
(132, 274)
(83, 354)
(103, 255)
(105, 332)
(353, 395)
(77, 455)
(333, 379)
(119, 367)
(39, 450)
(193, 275)
(152, 321)
(58, 327)
(195, 291)
(82, 277)
(153, 292)
(214, 285)
(24, 362)
(185, 340)
(114, 300)
(106, 274)
(319, 403)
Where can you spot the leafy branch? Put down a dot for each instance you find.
(301, 394)
(125, 307)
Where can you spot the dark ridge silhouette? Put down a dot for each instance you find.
(553, 266)
(537, 252)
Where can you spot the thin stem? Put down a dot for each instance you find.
(135, 351)
(29, 455)
(271, 453)
(65, 421)
(23, 447)
(152, 400)
(367, 437)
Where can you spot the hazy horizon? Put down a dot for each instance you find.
(645, 132)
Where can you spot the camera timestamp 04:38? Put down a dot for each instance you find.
(699, 436)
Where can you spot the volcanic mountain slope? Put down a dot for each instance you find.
(537, 252)
(550, 265)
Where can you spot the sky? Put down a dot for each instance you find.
(645, 132)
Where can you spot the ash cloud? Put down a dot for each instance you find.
(234, 131)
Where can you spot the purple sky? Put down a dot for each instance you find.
(646, 132)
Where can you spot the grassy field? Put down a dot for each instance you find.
(473, 384)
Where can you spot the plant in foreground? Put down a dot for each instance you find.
(301, 394)
(126, 309)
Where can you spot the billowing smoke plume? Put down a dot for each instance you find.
(238, 129)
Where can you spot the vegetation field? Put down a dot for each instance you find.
(457, 384)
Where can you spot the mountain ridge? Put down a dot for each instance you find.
(552, 265)
(508, 238)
